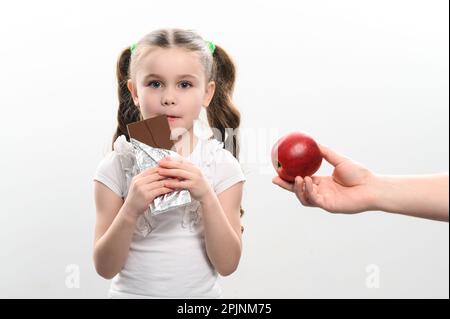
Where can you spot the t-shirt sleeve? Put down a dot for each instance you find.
(109, 172)
(228, 171)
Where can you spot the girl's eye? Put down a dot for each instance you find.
(185, 85)
(158, 84)
(155, 84)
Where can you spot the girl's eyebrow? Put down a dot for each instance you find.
(154, 75)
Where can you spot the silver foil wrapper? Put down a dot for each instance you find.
(146, 157)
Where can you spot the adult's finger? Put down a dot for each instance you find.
(299, 190)
(331, 156)
(312, 194)
(283, 184)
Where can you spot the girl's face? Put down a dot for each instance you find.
(171, 82)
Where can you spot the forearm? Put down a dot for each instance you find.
(419, 196)
(223, 244)
(111, 250)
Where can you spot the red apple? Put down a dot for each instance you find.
(296, 154)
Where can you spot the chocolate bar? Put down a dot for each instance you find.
(150, 140)
(154, 132)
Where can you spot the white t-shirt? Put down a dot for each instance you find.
(169, 259)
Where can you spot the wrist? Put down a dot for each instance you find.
(376, 188)
(208, 198)
(129, 213)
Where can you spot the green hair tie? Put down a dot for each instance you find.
(133, 48)
(211, 46)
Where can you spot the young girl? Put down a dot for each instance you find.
(177, 254)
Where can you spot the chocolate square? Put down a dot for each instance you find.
(154, 132)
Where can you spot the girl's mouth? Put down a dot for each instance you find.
(172, 118)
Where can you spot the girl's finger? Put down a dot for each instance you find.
(171, 164)
(154, 185)
(178, 159)
(283, 184)
(176, 184)
(173, 172)
(146, 179)
(148, 171)
(159, 191)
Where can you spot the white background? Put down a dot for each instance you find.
(367, 78)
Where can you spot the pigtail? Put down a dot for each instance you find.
(223, 116)
(127, 112)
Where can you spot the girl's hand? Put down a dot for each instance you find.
(347, 191)
(184, 175)
(144, 188)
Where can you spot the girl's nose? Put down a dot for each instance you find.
(168, 102)
(168, 98)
